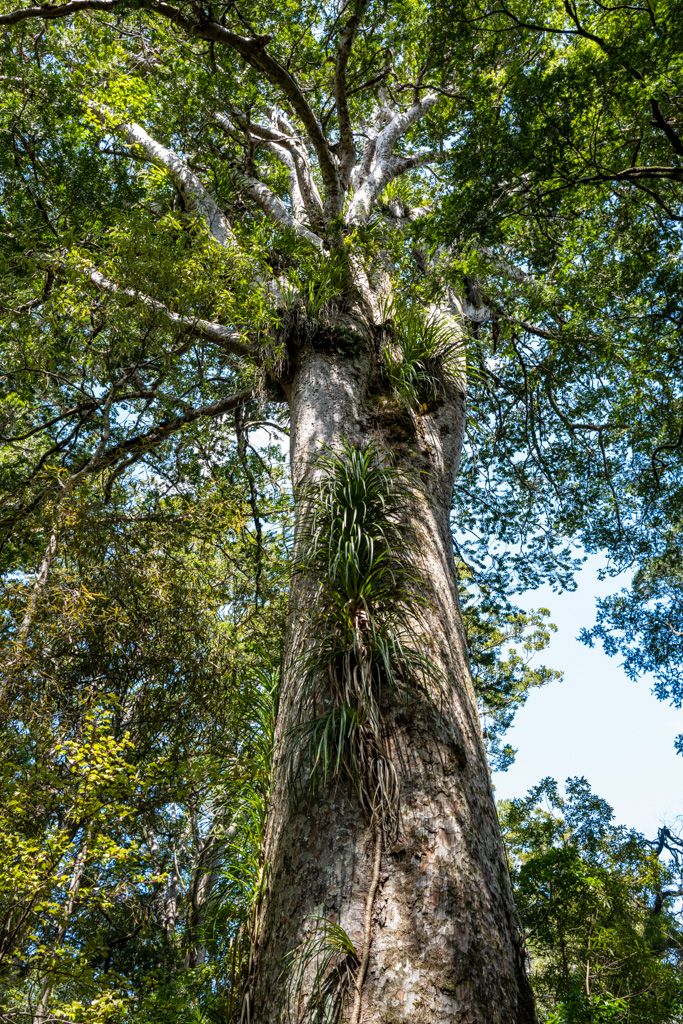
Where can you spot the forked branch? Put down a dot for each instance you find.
(384, 165)
(378, 164)
(272, 142)
(276, 210)
(251, 49)
(143, 443)
(290, 139)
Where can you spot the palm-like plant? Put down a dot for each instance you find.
(329, 956)
(355, 548)
(424, 356)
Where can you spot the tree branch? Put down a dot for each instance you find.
(347, 147)
(251, 49)
(272, 142)
(223, 336)
(143, 443)
(68, 485)
(242, 439)
(664, 126)
(408, 163)
(186, 181)
(254, 52)
(384, 165)
(295, 145)
(49, 13)
(531, 328)
(276, 210)
(382, 115)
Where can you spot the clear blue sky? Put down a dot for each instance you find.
(596, 723)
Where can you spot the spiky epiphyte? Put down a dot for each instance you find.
(356, 551)
(328, 954)
(355, 547)
(424, 355)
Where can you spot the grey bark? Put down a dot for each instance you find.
(445, 945)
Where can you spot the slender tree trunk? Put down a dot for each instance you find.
(42, 1011)
(444, 941)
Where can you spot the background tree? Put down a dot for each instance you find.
(599, 908)
(572, 155)
(136, 754)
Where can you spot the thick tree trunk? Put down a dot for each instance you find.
(444, 939)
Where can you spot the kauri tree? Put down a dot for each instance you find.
(211, 210)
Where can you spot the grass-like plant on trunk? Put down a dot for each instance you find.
(358, 553)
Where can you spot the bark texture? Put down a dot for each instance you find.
(445, 946)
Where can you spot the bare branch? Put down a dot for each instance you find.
(656, 173)
(242, 441)
(49, 13)
(408, 163)
(382, 115)
(286, 158)
(297, 148)
(347, 147)
(400, 124)
(274, 145)
(536, 329)
(276, 210)
(384, 165)
(664, 126)
(186, 181)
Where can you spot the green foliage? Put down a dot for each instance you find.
(138, 743)
(502, 675)
(424, 357)
(136, 757)
(556, 190)
(314, 285)
(357, 550)
(598, 908)
(645, 624)
(330, 956)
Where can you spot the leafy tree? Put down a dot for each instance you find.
(599, 908)
(573, 152)
(644, 624)
(136, 755)
(502, 675)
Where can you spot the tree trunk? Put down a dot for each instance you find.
(444, 943)
(41, 1012)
